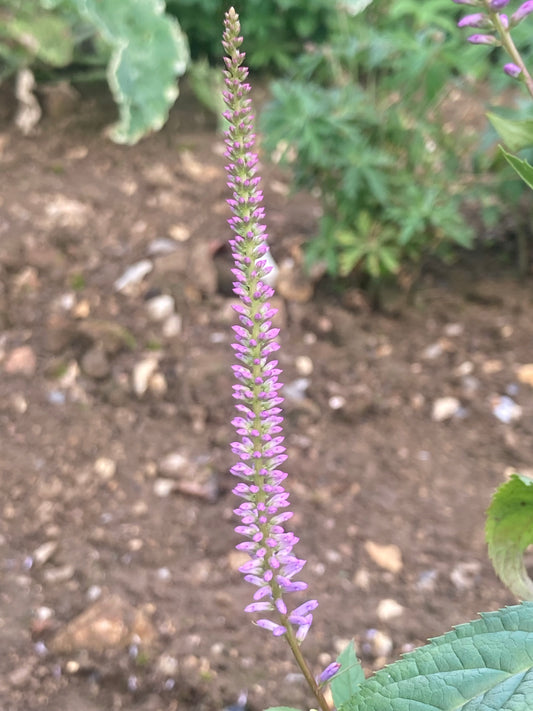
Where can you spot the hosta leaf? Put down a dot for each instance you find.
(484, 665)
(509, 531)
(148, 52)
(345, 682)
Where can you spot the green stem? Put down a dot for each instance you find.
(300, 660)
(511, 49)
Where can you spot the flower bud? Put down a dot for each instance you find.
(328, 673)
(513, 70)
(478, 19)
(523, 11)
(484, 39)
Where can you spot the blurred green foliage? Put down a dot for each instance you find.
(359, 123)
(275, 30)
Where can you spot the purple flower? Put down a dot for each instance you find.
(328, 673)
(523, 11)
(478, 19)
(264, 502)
(513, 70)
(483, 39)
(496, 5)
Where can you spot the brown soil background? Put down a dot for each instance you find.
(75, 212)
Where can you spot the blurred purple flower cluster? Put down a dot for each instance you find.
(495, 25)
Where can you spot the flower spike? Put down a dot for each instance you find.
(260, 450)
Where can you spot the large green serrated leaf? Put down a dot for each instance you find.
(515, 134)
(522, 167)
(509, 531)
(484, 665)
(346, 681)
(148, 52)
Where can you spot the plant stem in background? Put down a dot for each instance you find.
(263, 510)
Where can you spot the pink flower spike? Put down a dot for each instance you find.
(260, 449)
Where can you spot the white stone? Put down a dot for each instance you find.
(134, 274)
(304, 365)
(44, 552)
(160, 307)
(172, 326)
(105, 468)
(142, 373)
(163, 487)
(445, 408)
(389, 609)
(174, 463)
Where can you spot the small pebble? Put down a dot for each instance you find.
(433, 351)
(105, 468)
(296, 389)
(44, 552)
(454, 329)
(164, 487)
(376, 644)
(142, 373)
(160, 307)
(444, 408)
(21, 361)
(337, 402)
(465, 575)
(389, 609)
(133, 275)
(304, 365)
(506, 410)
(57, 397)
(161, 245)
(94, 593)
(59, 575)
(172, 326)
(173, 463)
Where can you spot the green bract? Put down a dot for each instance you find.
(485, 665)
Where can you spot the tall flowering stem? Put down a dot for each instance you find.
(497, 28)
(263, 510)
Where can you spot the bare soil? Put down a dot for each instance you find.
(389, 502)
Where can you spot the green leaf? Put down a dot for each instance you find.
(346, 681)
(42, 35)
(522, 167)
(509, 531)
(516, 134)
(484, 665)
(354, 7)
(281, 708)
(148, 52)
